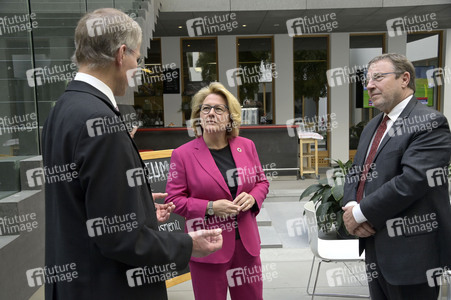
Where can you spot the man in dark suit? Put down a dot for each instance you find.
(396, 193)
(102, 239)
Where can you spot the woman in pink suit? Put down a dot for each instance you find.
(216, 181)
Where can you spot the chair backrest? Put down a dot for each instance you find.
(312, 225)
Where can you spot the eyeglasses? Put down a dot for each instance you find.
(139, 60)
(219, 108)
(379, 76)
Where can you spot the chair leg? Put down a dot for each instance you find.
(313, 293)
(310, 277)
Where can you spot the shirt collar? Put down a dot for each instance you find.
(98, 84)
(397, 110)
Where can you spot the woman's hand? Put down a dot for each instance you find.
(225, 208)
(244, 201)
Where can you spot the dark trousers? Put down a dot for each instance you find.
(380, 289)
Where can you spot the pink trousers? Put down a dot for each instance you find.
(242, 275)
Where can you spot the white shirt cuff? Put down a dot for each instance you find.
(358, 215)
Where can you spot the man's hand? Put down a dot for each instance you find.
(225, 208)
(159, 196)
(163, 211)
(245, 201)
(359, 229)
(205, 242)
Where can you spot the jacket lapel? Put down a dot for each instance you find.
(205, 159)
(396, 128)
(238, 157)
(365, 140)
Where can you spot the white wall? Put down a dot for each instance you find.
(397, 44)
(170, 53)
(227, 60)
(339, 98)
(284, 83)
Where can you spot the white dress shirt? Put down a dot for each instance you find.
(98, 84)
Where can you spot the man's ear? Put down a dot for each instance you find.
(120, 54)
(405, 79)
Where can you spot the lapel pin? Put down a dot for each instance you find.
(238, 149)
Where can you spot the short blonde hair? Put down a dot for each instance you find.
(232, 103)
(99, 34)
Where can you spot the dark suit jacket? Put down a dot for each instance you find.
(102, 187)
(418, 142)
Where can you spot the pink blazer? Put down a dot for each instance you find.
(194, 179)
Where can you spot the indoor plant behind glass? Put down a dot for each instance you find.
(327, 195)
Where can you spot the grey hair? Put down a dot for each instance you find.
(400, 65)
(99, 34)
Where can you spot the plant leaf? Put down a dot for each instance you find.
(311, 189)
(337, 192)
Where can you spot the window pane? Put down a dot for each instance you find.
(256, 84)
(310, 84)
(149, 97)
(362, 49)
(199, 69)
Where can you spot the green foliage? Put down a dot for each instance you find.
(327, 198)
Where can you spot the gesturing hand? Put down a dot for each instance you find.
(163, 211)
(245, 201)
(206, 242)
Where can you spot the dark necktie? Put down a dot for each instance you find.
(369, 160)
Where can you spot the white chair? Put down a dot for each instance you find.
(330, 251)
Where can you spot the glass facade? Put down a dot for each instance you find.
(256, 68)
(199, 69)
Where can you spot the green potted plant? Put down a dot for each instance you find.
(327, 195)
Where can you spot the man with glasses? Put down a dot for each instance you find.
(104, 222)
(396, 193)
